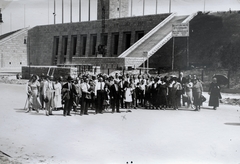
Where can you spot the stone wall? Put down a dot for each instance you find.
(50, 70)
(13, 51)
(107, 64)
(206, 76)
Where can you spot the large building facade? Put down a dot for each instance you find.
(58, 44)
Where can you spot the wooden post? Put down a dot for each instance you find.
(173, 54)
(228, 76)
(187, 52)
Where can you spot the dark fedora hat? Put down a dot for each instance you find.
(69, 78)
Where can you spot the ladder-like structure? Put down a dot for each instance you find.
(150, 43)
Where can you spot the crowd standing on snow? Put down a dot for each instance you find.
(101, 92)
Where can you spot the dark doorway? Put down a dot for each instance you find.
(93, 44)
(139, 35)
(55, 50)
(74, 45)
(83, 45)
(115, 38)
(104, 42)
(126, 40)
(64, 48)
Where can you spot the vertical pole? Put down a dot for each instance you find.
(24, 16)
(156, 6)
(228, 85)
(89, 9)
(147, 63)
(0, 29)
(143, 7)
(187, 52)
(204, 5)
(71, 11)
(143, 63)
(48, 11)
(80, 6)
(54, 13)
(170, 5)
(62, 11)
(173, 54)
(120, 8)
(10, 21)
(29, 63)
(131, 7)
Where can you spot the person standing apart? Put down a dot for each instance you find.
(68, 91)
(215, 95)
(197, 93)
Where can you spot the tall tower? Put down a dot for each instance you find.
(113, 8)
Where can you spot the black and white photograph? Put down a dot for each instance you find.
(119, 82)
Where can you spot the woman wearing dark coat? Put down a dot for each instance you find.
(215, 95)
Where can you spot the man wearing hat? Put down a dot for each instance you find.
(68, 91)
(49, 95)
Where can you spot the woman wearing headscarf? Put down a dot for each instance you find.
(215, 95)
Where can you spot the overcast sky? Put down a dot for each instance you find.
(29, 13)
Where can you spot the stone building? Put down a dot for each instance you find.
(129, 41)
(13, 50)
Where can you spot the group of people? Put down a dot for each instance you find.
(119, 91)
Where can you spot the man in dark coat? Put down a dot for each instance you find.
(115, 96)
(182, 80)
(122, 86)
(215, 95)
(100, 92)
(68, 91)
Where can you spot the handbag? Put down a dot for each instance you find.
(88, 96)
(203, 99)
(66, 95)
(46, 99)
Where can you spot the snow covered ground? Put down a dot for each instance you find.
(140, 136)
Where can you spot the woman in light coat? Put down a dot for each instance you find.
(197, 93)
(189, 94)
(33, 88)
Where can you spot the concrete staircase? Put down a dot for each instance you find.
(152, 41)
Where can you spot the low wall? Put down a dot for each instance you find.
(51, 70)
(206, 76)
(107, 64)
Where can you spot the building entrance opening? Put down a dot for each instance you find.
(126, 40)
